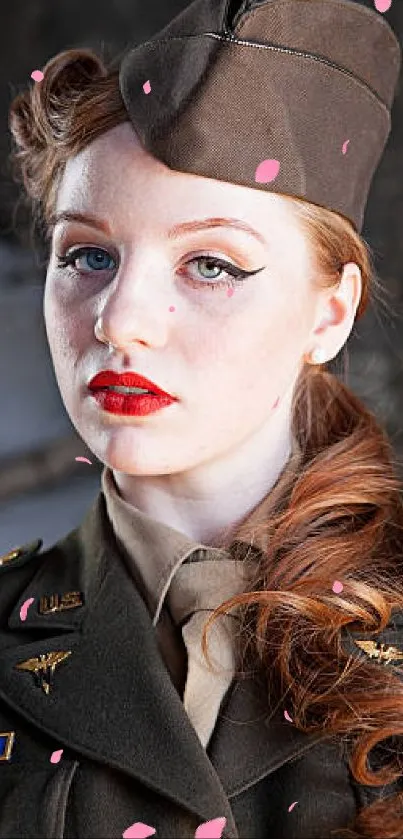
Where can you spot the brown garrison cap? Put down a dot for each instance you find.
(234, 84)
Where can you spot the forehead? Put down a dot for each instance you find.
(115, 175)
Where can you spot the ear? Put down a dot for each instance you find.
(337, 311)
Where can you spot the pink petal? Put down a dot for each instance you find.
(267, 171)
(211, 830)
(138, 830)
(383, 5)
(24, 608)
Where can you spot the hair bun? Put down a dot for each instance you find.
(65, 78)
(68, 73)
(39, 116)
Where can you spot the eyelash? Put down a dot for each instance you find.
(237, 275)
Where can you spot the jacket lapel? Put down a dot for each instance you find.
(252, 724)
(246, 726)
(114, 679)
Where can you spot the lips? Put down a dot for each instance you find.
(107, 378)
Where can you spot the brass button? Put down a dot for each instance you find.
(10, 556)
(30, 549)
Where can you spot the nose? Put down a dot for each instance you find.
(135, 309)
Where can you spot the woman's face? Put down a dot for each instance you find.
(228, 351)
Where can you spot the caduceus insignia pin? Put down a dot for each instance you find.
(384, 653)
(43, 667)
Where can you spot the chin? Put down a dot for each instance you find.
(136, 469)
(132, 458)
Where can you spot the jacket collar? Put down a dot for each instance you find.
(115, 678)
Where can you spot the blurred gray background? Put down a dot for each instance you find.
(44, 492)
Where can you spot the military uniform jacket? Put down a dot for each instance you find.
(130, 753)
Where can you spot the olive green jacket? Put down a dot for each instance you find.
(130, 753)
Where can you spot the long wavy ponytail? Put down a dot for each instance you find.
(336, 514)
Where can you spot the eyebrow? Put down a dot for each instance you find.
(174, 233)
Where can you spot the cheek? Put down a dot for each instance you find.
(253, 357)
(67, 326)
(258, 338)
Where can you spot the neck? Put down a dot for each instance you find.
(207, 503)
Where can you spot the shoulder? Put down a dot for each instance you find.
(77, 554)
(39, 586)
(27, 573)
(18, 565)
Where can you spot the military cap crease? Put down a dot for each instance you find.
(220, 111)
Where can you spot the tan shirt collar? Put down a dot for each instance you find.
(157, 550)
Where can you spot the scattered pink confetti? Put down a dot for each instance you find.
(337, 587)
(291, 807)
(267, 171)
(147, 89)
(55, 756)
(383, 5)
(37, 75)
(230, 292)
(211, 830)
(345, 144)
(287, 716)
(138, 830)
(172, 308)
(83, 460)
(24, 608)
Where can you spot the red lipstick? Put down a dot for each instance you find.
(111, 390)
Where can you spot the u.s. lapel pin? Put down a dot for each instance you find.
(40, 667)
(6, 744)
(50, 603)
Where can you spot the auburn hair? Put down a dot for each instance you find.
(336, 509)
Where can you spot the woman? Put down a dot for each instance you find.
(190, 309)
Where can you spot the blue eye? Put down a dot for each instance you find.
(97, 259)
